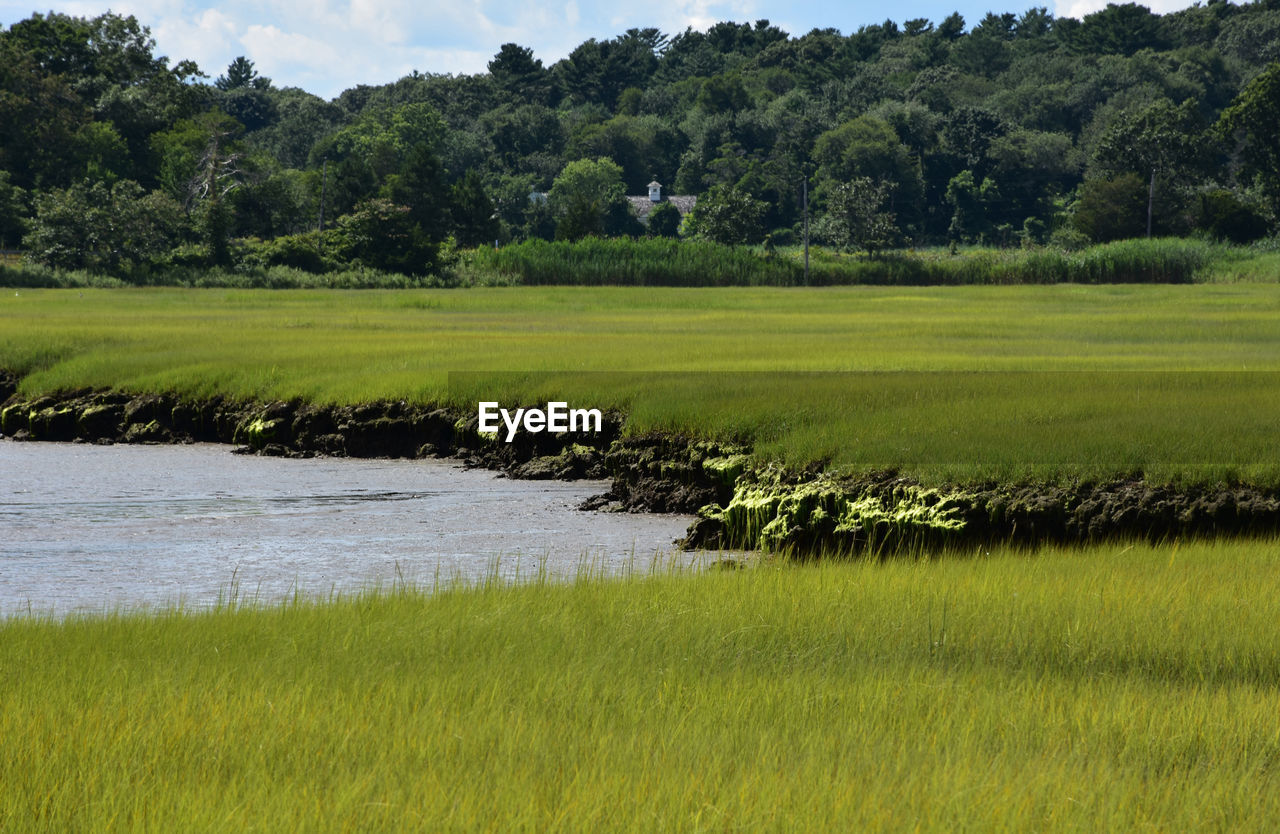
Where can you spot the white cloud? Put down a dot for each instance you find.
(1079, 8)
(205, 38)
(326, 46)
(277, 51)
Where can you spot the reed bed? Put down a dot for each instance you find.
(658, 262)
(662, 262)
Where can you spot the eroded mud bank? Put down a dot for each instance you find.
(739, 506)
(650, 473)
(883, 513)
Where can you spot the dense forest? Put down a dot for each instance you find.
(1020, 130)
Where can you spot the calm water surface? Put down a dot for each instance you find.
(99, 527)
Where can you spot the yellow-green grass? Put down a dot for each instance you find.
(1177, 381)
(1245, 266)
(1117, 688)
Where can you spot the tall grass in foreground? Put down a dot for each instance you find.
(1114, 688)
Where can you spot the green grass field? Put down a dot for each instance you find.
(1104, 689)
(954, 382)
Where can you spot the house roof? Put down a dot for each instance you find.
(684, 203)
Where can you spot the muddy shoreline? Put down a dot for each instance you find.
(649, 473)
(738, 506)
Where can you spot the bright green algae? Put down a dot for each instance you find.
(769, 513)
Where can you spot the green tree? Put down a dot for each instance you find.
(728, 215)
(664, 221)
(269, 205)
(381, 234)
(869, 147)
(475, 219)
(644, 147)
(77, 70)
(1163, 142)
(1253, 121)
(520, 75)
(382, 137)
(857, 217)
(420, 185)
(300, 120)
(13, 212)
(723, 93)
(217, 175)
(588, 198)
(39, 113)
(1226, 217)
(118, 229)
(967, 219)
(1112, 209)
(250, 106)
(1121, 29)
(241, 74)
(598, 71)
(518, 133)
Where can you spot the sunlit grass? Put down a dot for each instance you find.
(1109, 688)
(1176, 381)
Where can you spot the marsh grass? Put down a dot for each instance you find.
(947, 383)
(18, 273)
(693, 263)
(697, 263)
(1111, 688)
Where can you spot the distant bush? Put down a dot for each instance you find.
(1224, 216)
(273, 277)
(32, 275)
(304, 251)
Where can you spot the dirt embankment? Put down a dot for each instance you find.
(882, 513)
(737, 505)
(653, 473)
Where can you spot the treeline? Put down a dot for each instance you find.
(1017, 131)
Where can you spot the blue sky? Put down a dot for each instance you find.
(326, 46)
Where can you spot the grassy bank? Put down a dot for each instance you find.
(965, 382)
(658, 262)
(698, 263)
(1117, 688)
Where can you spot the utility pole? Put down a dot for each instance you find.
(806, 230)
(324, 183)
(1151, 198)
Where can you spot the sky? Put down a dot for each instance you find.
(327, 46)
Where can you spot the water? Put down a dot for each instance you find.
(94, 528)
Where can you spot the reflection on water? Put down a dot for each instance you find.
(98, 527)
